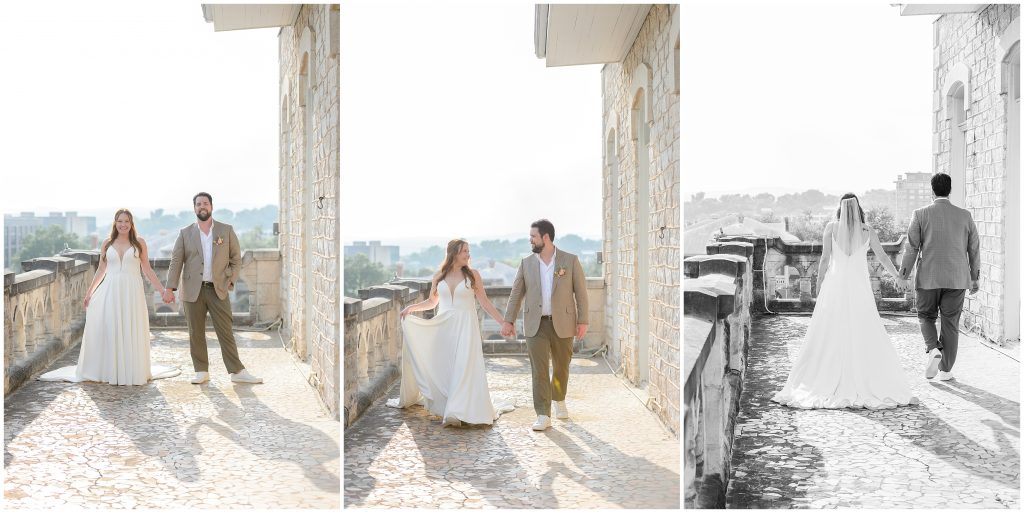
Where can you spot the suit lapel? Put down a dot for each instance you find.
(215, 233)
(559, 264)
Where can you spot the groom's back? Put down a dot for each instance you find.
(946, 237)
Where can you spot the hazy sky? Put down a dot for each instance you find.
(135, 104)
(452, 127)
(787, 97)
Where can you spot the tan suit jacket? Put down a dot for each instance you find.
(187, 261)
(943, 242)
(568, 295)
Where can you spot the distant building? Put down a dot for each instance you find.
(913, 191)
(496, 273)
(16, 228)
(374, 251)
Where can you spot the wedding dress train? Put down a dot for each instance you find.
(847, 360)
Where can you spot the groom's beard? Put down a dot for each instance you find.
(537, 249)
(203, 215)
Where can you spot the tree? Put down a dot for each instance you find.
(769, 217)
(255, 239)
(884, 224)
(360, 273)
(46, 242)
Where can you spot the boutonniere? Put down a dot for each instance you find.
(560, 271)
(219, 241)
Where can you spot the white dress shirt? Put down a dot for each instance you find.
(207, 242)
(547, 283)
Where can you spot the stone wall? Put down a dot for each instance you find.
(771, 256)
(718, 292)
(641, 101)
(310, 285)
(373, 343)
(967, 50)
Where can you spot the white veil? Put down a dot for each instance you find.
(849, 228)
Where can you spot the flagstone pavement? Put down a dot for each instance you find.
(612, 452)
(171, 444)
(958, 448)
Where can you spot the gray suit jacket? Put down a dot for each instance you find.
(569, 302)
(187, 261)
(943, 242)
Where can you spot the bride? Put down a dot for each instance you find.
(847, 360)
(115, 343)
(442, 358)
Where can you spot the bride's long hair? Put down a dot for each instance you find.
(133, 237)
(849, 223)
(454, 247)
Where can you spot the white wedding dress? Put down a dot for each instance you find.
(443, 362)
(847, 360)
(115, 343)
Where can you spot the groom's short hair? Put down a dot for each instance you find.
(941, 184)
(544, 226)
(194, 198)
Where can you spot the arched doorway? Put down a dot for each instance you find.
(1011, 205)
(307, 197)
(614, 258)
(642, 156)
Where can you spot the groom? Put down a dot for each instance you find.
(943, 243)
(554, 288)
(208, 253)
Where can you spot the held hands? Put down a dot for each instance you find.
(581, 331)
(168, 296)
(507, 329)
(88, 297)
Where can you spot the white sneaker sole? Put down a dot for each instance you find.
(199, 381)
(540, 428)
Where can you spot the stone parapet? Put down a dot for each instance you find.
(717, 294)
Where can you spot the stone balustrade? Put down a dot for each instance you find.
(373, 340)
(797, 292)
(717, 294)
(44, 313)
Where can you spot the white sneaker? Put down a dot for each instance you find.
(543, 422)
(452, 421)
(200, 378)
(945, 376)
(243, 376)
(932, 363)
(561, 412)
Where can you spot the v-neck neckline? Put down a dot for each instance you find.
(120, 256)
(451, 291)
